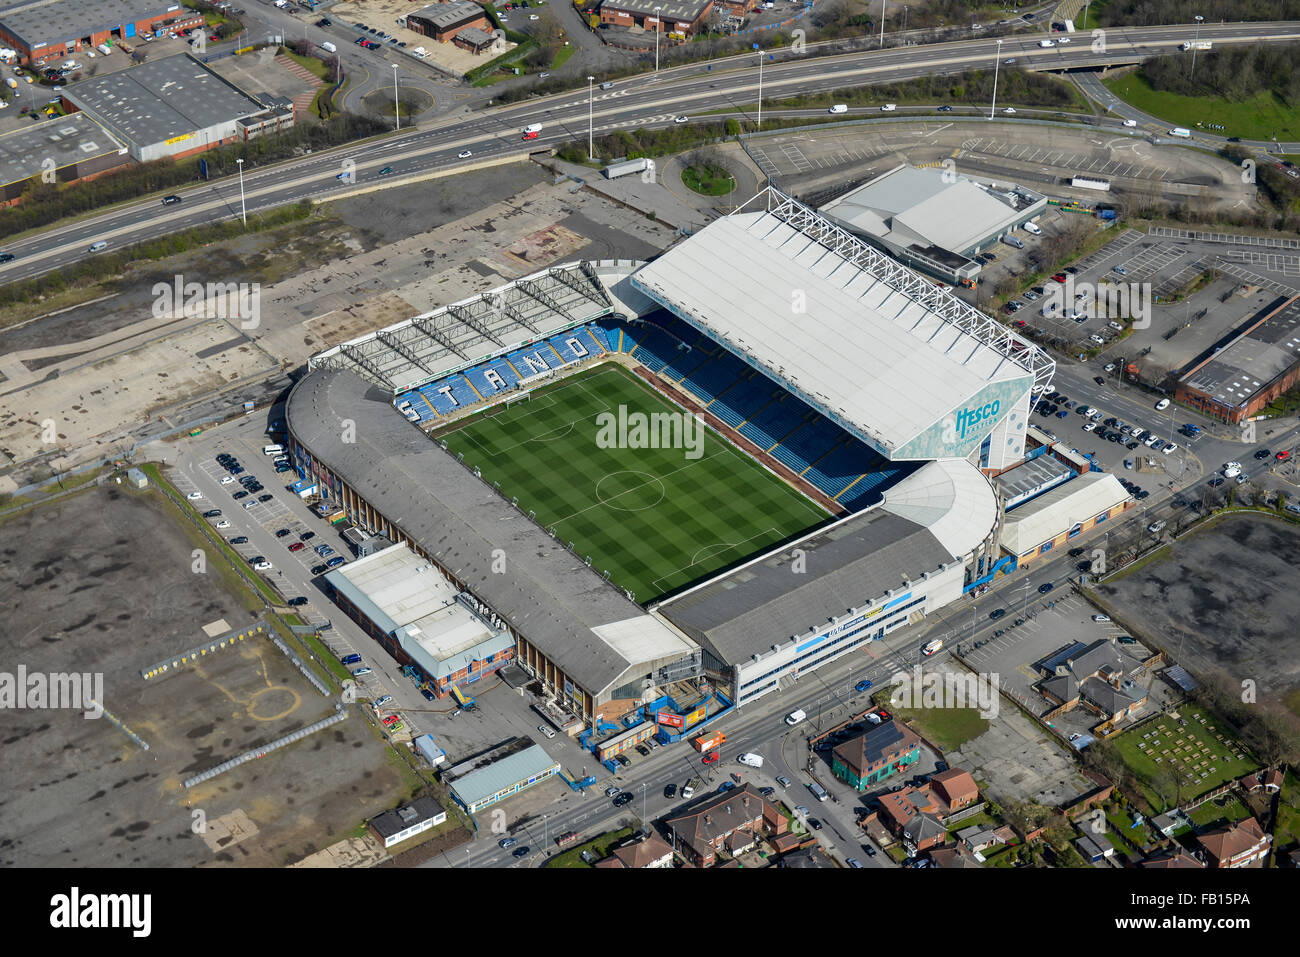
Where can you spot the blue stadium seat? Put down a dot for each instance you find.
(743, 400)
(564, 345)
(655, 348)
(536, 359)
(715, 376)
(776, 419)
(835, 472)
(459, 390)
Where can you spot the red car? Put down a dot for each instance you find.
(1283, 455)
(297, 547)
(1059, 277)
(390, 719)
(711, 758)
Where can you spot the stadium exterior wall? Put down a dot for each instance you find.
(883, 615)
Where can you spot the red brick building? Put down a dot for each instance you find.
(442, 21)
(686, 17)
(733, 821)
(1239, 845)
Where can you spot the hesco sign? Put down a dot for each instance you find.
(958, 432)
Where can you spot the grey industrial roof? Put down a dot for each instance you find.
(509, 771)
(1252, 360)
(589, 628)
(66, 140)
(884, 352)
(396, 820)
(474, 35)
(161, 99)
(742, 613)
(54, 21)
(685, 11)
(926, 206)
(446, 15)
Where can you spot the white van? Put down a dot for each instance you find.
(97, 247)
(932, 646)
(1033, 229)
(752, 759)
(533, 128)
(889, 108)
(794, 717)
(838, 108)
(1130, 122)
(272, 449)
(329, 47)
(1046, 43)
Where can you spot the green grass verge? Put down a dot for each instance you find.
(655, 519)
(601, 845)
(562, 56)
(1257, 118)
(949, 728)
(316, 66)
(708, 180)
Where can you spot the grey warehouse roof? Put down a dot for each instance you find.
(588, 627)
(685, 11)
(1252, 360)
(66, 140)
(446, 15)
(743, 613)
(482, 784)
(161, 99)
(55, 21)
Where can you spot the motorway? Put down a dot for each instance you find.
(730, 86)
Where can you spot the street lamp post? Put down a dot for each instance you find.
(658, 30)
(882, 22)
(546, 834)
(760, 86)
(996, 63)
(243, 211)
(590, 133)
(1194, 42)
(396, 109)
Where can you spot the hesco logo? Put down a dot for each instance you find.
(956, 427)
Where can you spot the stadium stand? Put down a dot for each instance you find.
(746, 400)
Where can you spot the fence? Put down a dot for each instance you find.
(339, 715)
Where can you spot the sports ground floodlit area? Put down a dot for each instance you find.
(654, 518)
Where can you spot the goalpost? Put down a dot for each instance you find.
(524, 396)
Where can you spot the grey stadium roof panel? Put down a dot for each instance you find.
(588, 627)
(740, 613)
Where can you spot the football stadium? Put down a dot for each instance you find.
(759, 451)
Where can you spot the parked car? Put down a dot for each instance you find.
(1101, 617)
(711, 758)
(335, 562)
(239, 540)
(670, 790)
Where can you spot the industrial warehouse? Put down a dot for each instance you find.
(175, 107)
(43, 29)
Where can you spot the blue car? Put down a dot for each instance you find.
(726, 786)
(1063, 413)
(335, 562)
(862, 685)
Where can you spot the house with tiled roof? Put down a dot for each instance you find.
(1175, 858)
(1094, 677)
(956, 788)
(1243, 844)
(924, 831)
(731, 821)
(874, 755)
(648, 852)
(957, 857)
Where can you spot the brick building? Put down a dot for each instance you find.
(686, 17)
(732, 821)
(442, 21)
(1238, 845)
(40, 30)
(875, 755)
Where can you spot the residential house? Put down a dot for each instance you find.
(874, 755)
(1175, 857)
(731, 821)
(955, 788)
(1238, 845)
(648, 852)
(1094, 677)
(958, 856)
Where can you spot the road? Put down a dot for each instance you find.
(730, 86)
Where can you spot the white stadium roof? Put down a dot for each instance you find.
(885, 353)
(950, 497)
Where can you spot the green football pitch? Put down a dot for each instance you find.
(654, 518)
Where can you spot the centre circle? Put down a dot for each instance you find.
(630, 491)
